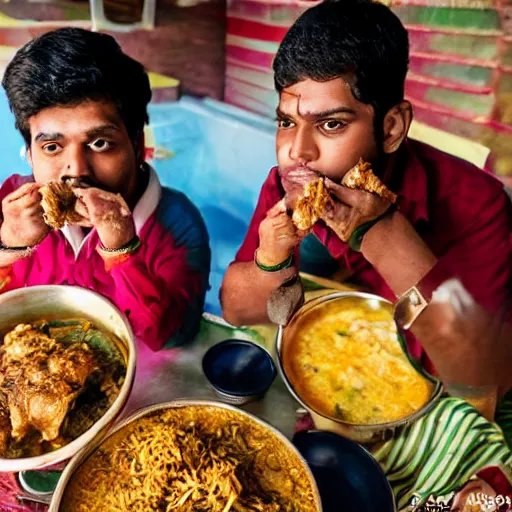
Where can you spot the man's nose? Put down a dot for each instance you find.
(76, 165)
(304, 148)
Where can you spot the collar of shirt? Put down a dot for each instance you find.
(406, 177)
(144, 208)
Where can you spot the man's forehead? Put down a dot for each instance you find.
(75, 119)
(310, 96)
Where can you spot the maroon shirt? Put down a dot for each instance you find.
(460, 211)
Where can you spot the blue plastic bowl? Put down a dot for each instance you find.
(239, 370)
(349, 479)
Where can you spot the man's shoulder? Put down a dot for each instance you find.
(179, 215)
(451, 177)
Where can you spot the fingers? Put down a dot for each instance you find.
(29, 189)
(277, 209)
(25, 197)
(345, 195)
(81, 209)
(98, 205)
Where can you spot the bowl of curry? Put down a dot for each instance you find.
(67, 365)
(189, 456)
(343, 359)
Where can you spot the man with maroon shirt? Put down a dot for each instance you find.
(340, 73)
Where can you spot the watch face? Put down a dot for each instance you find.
(408, 307)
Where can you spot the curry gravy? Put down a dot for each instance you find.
(346, 362)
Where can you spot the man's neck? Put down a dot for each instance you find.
(140, 187)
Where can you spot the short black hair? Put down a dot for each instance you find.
(67, 66)
(333, 39)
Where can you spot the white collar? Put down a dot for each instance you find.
(143, 210)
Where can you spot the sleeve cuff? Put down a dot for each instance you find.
(113, 260)
(436, 276)
(5, 276)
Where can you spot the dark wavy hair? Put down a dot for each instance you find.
(358, 38)
(70, 65)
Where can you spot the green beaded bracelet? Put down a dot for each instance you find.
(356, 239)
(287, 263)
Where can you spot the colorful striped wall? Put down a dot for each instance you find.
(460, 77)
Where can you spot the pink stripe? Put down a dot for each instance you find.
(256, 29)
(260, 59)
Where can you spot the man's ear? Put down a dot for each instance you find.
(28, 156)
(396, 125)
(139, 147)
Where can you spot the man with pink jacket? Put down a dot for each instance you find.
(81, 105)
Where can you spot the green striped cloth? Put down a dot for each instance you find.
(437, 454)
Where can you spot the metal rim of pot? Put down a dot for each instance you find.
(82, 456)
(82, 295)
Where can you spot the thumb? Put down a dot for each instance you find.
(278, 208)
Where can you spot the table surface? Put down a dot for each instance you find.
(176, 373)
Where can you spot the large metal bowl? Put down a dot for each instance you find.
(360, 433)
(49, 302)
(81, 457)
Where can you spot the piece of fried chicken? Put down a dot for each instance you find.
(41, 378)
(58, 204)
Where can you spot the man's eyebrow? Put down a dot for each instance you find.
(315, 116)
(45, 137)
(101, 130)
(281, 115)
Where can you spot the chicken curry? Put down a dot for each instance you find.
(345, 362)
(57, 378)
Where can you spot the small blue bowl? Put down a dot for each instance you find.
(349, 479)
(240, 371)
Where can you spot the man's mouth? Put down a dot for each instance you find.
(299, 169)
(299, 175)
(82, 182)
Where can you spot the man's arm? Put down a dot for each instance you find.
(271, 239)
(21, 225)
(245, 291)
(246, 287)
(162, 286)
(481, 260)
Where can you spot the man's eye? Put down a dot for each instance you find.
(100, 145)
(284, 123)
(51, 148)
(331, 126)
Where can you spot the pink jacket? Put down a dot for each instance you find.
(161, 287)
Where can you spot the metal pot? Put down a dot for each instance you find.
(75, 463)
(359, 433)
(34, 303)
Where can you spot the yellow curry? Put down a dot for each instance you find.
(346, 362)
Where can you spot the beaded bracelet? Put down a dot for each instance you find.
(18, 250)
(131, 246)
(287, 263)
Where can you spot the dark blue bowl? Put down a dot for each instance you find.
(239, 370)
(349, 479)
